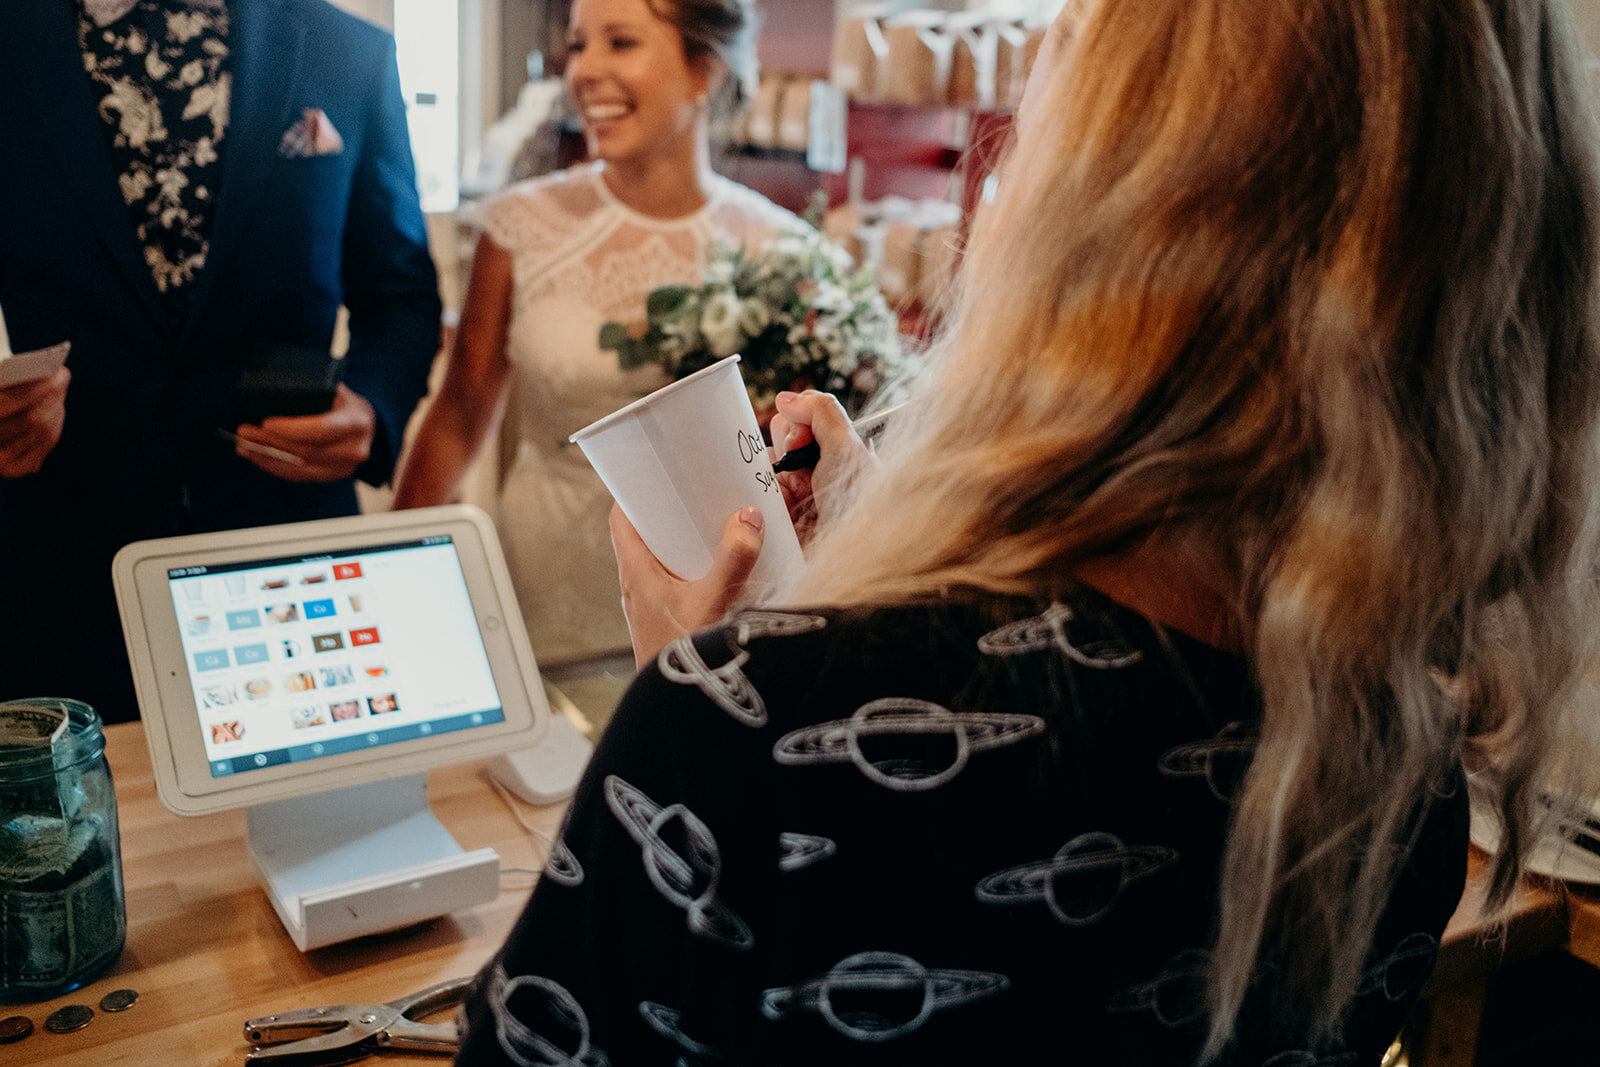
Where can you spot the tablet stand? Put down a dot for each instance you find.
(364, 859)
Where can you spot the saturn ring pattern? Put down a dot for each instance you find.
(1050, 631)
(904, 717)
(1397, 975)
(1176, 996)
(750, 625)
(802, 850)
(561, 866)
(669, 1024)
(688, 881)
(1227, 753)
(726, 686)
(889, 973)
(1076, 883)
(567, 1043)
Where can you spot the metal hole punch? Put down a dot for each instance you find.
(346, 1033)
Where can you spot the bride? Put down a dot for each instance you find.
(564, 254)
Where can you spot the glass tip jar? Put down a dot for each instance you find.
(62, 917)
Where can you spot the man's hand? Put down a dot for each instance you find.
(330, 446)
(31, 417)
(660, 606)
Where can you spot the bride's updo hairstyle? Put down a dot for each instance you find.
(1305, 291)
(724, 30)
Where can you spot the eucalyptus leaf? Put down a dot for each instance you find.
(635, 353)
(667, 302)
(613, 335)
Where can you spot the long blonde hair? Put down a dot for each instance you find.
(1311, 284)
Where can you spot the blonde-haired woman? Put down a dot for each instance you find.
(1120, 714)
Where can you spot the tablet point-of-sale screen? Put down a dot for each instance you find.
(296, 658)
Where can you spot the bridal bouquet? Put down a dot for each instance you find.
(797, 311)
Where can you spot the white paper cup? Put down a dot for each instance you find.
(682, 460)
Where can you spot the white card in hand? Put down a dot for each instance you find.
(28, 366)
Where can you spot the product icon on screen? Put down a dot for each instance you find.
(343, 674)
(345, 710)
(306, 717)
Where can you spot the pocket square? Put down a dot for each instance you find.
(312, 134)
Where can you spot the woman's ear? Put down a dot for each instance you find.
(708, 75)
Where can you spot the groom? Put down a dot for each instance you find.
(181, 181)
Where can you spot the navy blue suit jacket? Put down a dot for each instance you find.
(292, 240)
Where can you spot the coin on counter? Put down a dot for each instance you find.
(118, 1000)
(70, 1018)
(15, 1029)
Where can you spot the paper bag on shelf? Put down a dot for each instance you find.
(1010, 63)
(900, 268)
(972, 60)
(794, 115)
(917, 69)
(761, 126)
(859, 50)
(843, 226)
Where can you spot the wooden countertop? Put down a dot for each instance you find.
(205, 950)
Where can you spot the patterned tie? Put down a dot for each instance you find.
(104, 12)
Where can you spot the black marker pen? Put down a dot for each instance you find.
(805, 457)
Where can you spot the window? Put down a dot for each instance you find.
(426, 34)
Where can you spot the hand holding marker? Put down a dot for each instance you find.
(868, 429)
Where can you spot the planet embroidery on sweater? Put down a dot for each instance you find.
(1082, 882)
(1176, 996)
(909, 724)
(562, 1035)
(802, 850)
(687, 878)
(561, 866)
(1050, 631)
(1220, 760)
(669, 1024)
(750, 625)
(726, 686)
(1403, 971)
(890, 974)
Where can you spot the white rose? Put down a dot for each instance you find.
(831, 297)
(719, 321)
(789, 246)
(831, 338)
(754, 316)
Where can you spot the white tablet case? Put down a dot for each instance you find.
(350, 848)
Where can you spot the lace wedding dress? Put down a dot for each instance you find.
(582, 258)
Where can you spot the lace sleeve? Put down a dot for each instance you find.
(514, 221)
(536, 220)
(745, 217)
